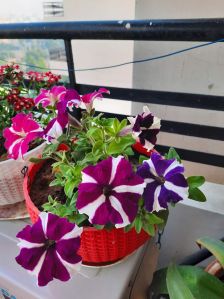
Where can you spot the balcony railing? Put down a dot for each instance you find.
(145, 30)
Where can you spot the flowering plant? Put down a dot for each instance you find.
(17, 92)
(106, 182)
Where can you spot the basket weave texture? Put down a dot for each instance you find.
(98, 247)
(11, 178)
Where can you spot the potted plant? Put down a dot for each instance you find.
(99, 190)
(187, 282)
(17, 92)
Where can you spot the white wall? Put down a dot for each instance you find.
(100, 53)
(198, 71)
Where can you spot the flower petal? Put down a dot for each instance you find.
(57, 227)
(28, 258)
(106, 214)
(127, 206)
(174, 167)
(101, 172)
(33, 234)
(149, 195)
(88, 193)
(52, 268)
(67, 249)
(91, 208)
(181, 193)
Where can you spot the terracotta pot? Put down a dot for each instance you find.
(98, 247)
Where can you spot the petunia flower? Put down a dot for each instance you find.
(88, 98)
(49, 248)
(72, 99)
(22, 131)
(50, 97)
(164, 180)
(144, 128)
(109, 192)
(53, 131)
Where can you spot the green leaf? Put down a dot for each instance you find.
(196, 194)
(138, 224)
(163, 214)
(79, 218)
(172, 154)
(195, 181)
(36, 160)
(98, 147)
(176, 286)
(201, 284)
(99, 227)
(149, 229)
(128, 227)
(142, 158)
(153, 219)
(69, 188)
(216, 247)
(118, 147)
(95, 133)
(123, 123)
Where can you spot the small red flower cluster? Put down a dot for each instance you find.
(51, 78)
(11, 73)
(19, 102)
(47, 77)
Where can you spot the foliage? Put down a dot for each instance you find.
(96, 139)
(187, 282)
(17, 92)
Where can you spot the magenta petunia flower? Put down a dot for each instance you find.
(50, 97)
(88, 98)
(109, 192)
(164, 180)
(72, 99)
(144, 128)
(49, 248)
(22, 131)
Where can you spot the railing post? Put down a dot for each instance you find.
(70, 62)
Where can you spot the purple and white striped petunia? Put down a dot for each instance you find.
(49, 248)
(145, 127)
(88, 98)
(164, 180)
(50, 97)
(109, 192)
(22, 131)
(55, 127)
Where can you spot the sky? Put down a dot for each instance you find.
(20, 10)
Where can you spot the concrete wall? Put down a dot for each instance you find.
(198, 71)
(100, 53)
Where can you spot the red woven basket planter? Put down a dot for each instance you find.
(98, 247)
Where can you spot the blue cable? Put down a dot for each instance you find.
(124, 63)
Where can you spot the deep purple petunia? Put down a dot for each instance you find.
(49, 248)
(109, 192)
(165, 182)
(145, 127)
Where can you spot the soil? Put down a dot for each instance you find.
(2, 149)
(40, 189)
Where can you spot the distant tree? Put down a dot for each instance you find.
(36, 56)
